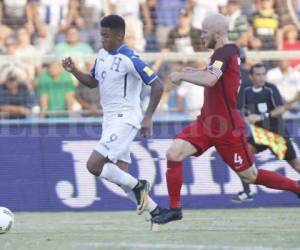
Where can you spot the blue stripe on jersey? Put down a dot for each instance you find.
(93, 70)
(141, 67)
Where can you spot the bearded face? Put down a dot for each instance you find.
(209, 38)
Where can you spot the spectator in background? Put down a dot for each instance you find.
(282, 10)
(286, 80)
(264, 33)
(151, 39)
(89, 100)
(184, 38)
(16, 14)
(131, 41)
(73, 47)
(168, 100)
(56, 91)
(15, 98)
(190, 97)
(87, 16)
(238, 24)
(32, 56)
(133, 8)
(202, 9)
(291, 42)
(166, 18)
(24, 46)
(5, 32)
(51, 19)
(247, 7)
(15, 65)
(130, 11)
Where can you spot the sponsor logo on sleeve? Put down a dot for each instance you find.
(218, 64)
(148, 71)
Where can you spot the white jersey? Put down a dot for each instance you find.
(121, 75)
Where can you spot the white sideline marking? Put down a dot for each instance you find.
(170, 246)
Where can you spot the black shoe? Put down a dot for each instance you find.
(158, 211)
(141, 191)
(242, 197)
(168, 215)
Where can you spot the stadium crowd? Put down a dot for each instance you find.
(31, 29)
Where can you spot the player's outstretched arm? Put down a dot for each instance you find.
(83, 78)
(156, 93)
(198, 77)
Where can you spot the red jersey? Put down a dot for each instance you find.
(219, 111)
(220, 124)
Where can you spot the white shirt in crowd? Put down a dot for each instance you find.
(288, 85)
(193, 95)
(204, 8)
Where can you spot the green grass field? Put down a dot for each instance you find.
(200, 229)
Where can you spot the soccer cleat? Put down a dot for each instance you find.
(168, 215)
(155, 227)
(242, 197)
(141, 191)
(158, 211)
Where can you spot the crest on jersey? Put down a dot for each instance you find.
(148, 71)
(217, 64)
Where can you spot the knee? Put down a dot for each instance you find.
(173, 155)
(94, 167)
(249, 178)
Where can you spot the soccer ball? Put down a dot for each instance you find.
(6, 220)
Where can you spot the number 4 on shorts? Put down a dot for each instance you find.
(237, 159)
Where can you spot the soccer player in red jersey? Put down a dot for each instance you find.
(219, 124)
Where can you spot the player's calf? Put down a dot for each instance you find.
(95, 163)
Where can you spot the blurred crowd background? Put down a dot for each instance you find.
(32, 30)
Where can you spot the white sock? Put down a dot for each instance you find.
(114, 174)
(151, 204)
(129, 193)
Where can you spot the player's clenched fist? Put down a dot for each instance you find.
(68, 64)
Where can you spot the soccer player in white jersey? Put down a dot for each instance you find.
(120, 74)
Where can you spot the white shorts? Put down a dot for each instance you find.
(115, 140)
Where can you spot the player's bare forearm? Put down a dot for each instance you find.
(156, 93)
(85, 79)
(198, 77)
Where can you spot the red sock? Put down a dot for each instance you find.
(174, 183)
(276, 181)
